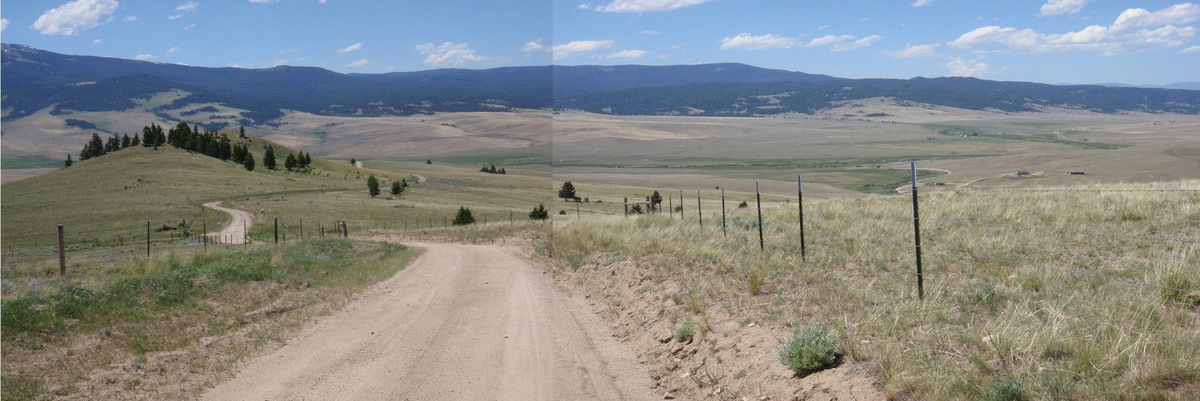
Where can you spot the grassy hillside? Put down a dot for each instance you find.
(1072, 293)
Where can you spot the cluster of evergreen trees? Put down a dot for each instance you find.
(492, 170)
(291, 163)
(97, 147)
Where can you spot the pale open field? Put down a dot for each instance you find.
(840, 149)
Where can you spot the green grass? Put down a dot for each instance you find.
(18, 162)
(1036, 137)
(126, 307)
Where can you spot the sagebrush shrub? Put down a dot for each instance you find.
(813, 349)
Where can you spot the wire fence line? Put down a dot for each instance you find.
(824, 230)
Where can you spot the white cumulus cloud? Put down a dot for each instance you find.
(578, 47)
(914, 51)
(1060, 7)
(1134, 30)
(746, 41)
(172, 51)
(962, 68)
(3, 24)
(187, 7)
(130, 18)
(352, 48)
(922, 3)
(532, 46)
(144, 57)
(644, 6)
(650, 32)
(72, 17)
(1190, 50)
(97, 42)
(358, 63)
(623, 54)
(839, 43)
(449, 54)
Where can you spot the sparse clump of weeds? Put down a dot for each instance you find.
(981, 296)
(684, 333)
(754, 282)
(813, 349)
(1008, 390)
(1178, 287)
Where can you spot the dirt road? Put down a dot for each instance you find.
(463, 322)
(235, 231)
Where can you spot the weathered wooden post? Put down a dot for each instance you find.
(277, 230)
(699, 209)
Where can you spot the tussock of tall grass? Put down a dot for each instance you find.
(1056, 294)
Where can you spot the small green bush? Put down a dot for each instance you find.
(684, 333)
(742, 205)
(1008, 390)
(813, 349)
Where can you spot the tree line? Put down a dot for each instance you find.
(492, 170)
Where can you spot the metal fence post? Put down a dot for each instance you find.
(800, 202)
(681, 205)
(671, 205)
(917, 234)
(723, 233)
(699, 209)
(758, 195)
(276, 230)
(62, 255)
(147, 239)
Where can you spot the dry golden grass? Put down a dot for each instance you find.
(1087, 294)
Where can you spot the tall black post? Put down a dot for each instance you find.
(699, 209)
(800, 202)
(147, 239)
(276, 230)
(723, 233)
(758, 195)
(917, 234)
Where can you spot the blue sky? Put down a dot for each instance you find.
(1052, 41)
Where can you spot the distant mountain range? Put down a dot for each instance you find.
(1188, 85)
(35, 79)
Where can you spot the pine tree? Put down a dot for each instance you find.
(353, 162)
(372, 186)
(567, 191)
(539, 213)
(502, 171)
(242, 132)
(403, 183)
(396, 188)
(428, 161)
(463, 217)
(269, 158)
(655, 201)
(125, 141)
(290, 162)
(248, 162)
(69, 162)
(136, 140)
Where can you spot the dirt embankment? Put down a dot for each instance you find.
(728, 358)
